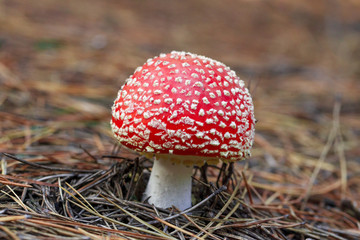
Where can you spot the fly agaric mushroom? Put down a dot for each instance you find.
(184, 110)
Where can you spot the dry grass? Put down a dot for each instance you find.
(63, 175)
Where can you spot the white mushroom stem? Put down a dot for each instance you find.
(169, 184)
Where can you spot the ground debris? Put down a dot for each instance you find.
(64, 177)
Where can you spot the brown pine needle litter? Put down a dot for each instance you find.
(74, 205)
(63, 176)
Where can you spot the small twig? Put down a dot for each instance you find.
(325, 151)
(200, 228)
(247, 188)
(228, 174)
(222, 170)
(270, 233)
(6, 182)
(203, 173)
(48, 168)
(176, 227)
(89, 154)
(250, 224)
(9, 233)
(117, 157)
(216, 192)
(133, 175)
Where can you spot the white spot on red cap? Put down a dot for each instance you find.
(227, 135)
(205, 100)
(149, 149)
(179, 101)
(194, 75)
(241, 84)
(168, 100)
(200, 134)
(178, 79)
(201, 124)
(215, 142)
(209, 121)
(198, 84)
(222, 125)
(221, 112)
(147, 115)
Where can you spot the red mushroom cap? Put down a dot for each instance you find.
(188, 105)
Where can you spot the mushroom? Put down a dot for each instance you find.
(183, 109)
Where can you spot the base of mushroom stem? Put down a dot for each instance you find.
(169, 185)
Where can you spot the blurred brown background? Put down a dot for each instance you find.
(62, 63)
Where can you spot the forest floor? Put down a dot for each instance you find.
(65, 177)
